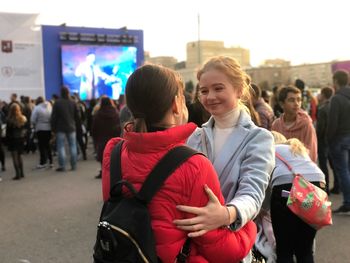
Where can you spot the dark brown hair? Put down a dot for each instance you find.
(327, 92)
(39, 100)
(150, 92)
(283, 92)
(105, 101)
(256, 91)
(341, 77)
(64, 92)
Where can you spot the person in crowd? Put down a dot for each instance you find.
(264, 110)
(40, 119)
(14, 99)
(308, 102)
(89, 117)
(97, 106)
(322, 145)
(338, 135)
(63, 124)
(196, 111)
(2, 124)
(4, 109)
(254, 115)
(83, 113)
(293, 236)
(15, 137)
(294, 122)
(80, 129)
(105, 125)
(94, 111)
(265, 94)
(241, 152)
(27, 109)
(54, 98)
(53, 144)
(276, 107)
(155, 96)
(121, 102)
(125, 116)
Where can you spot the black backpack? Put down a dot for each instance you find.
(124, 233)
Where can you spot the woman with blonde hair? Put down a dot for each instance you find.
(241, 152)
(293, 236)
(15, 136)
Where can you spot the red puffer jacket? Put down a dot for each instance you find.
(140, 153)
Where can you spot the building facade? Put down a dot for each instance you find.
(165, 61)
(273, 72)
(315, 76)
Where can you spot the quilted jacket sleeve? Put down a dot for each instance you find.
(220, 245)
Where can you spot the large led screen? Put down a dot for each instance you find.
(92, 71)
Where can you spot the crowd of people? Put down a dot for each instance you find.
(215, 199)
(47, 126)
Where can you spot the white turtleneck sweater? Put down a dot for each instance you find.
(223, 127)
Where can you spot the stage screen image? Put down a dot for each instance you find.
(92, 71)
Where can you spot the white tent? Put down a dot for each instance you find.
(21, 64)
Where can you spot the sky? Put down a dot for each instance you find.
(300, 31)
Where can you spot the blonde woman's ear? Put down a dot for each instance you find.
(240, 93)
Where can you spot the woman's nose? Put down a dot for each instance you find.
(211, 95)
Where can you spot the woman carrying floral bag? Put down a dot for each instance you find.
(293, 235)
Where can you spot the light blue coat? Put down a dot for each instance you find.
(243, 165)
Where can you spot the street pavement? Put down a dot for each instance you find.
(51, 217)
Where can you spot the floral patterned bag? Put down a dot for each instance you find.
(308, 201)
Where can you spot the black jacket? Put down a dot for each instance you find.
(322, 122)
(64, 116)
(339, 115)
(105, 125)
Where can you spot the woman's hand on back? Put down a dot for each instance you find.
(212, 216)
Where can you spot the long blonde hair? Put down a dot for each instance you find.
(15, 116)
(295, 145)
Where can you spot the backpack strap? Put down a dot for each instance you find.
(115, 171)
(184, 252)
(164, 168)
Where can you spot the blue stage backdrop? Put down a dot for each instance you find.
(90, 61)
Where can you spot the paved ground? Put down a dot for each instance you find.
(51, 217)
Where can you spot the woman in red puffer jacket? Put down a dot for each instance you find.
(155, 97)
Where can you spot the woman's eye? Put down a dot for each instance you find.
(203, 92)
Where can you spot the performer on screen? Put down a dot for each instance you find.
(89, 74)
